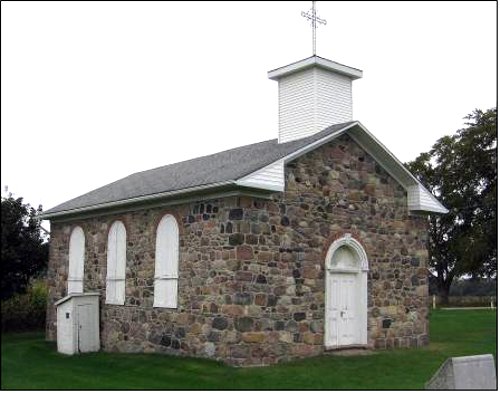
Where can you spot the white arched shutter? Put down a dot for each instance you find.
(166, 263)
(76, 260)
(115, 276)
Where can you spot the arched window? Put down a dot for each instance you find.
(166, 263)
(115, 276)
(76, 260)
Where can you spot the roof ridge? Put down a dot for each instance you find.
(245, 146)
(225, 165)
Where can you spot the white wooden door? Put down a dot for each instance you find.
(341, 321)
(87, 324)
(347, 309)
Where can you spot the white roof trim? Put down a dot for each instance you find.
(145, 198)
(76, 294)
(312, 61)
(319, 142)
(405, 178)
(419, 198)
(426, 201)
(434, 206)
(271, 177)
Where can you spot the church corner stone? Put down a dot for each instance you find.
(252, 271)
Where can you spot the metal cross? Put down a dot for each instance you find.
(311, 15)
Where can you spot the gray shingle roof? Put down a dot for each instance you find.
(215, 168)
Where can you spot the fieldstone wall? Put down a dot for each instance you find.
(252, 271)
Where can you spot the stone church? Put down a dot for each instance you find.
(311, 242)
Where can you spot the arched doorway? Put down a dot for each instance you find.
(346, 268)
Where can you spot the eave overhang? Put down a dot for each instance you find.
(268, 179)
(213, 190)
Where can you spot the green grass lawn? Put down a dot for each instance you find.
(28, 362)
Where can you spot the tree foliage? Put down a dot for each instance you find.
(461, 171)
(24, 250)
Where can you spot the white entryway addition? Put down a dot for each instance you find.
(346, 267)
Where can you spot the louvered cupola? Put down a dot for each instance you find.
(314, 93)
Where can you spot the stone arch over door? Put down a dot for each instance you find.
(346, 294)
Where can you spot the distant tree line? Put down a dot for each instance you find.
(467, 287)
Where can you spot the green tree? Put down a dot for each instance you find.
(24, 250)
(461, 171)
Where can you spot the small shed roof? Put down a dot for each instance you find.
(72, 295)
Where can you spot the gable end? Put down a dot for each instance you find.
(272, 176)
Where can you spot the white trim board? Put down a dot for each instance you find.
(272, 178)
(419, 198)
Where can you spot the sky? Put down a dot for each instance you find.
(92, 92)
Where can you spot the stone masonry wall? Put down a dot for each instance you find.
(252, 271)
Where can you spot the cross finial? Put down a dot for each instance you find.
(311, 15)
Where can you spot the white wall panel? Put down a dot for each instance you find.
(420, 199)
(428, 202)
(116, 262)
(311, 100)
(76, 260)
(270, 177)
(166, 263)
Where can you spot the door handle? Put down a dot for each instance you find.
(342, 314)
